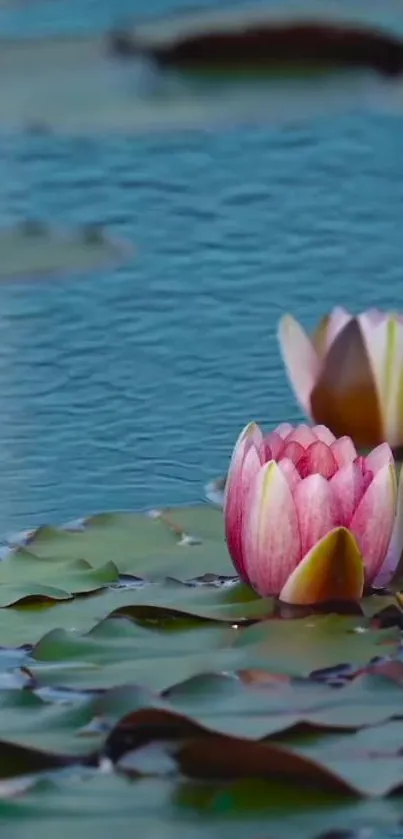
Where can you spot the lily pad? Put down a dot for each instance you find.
(166, 807)
(297, 648)
(116, 652)
(76, 726)
(158, 604)
(25, 577)
(183, 543)
(340, 764)
(226, 705)
(33, 250)
(158, 665)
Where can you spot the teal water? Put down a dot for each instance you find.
(126, 388)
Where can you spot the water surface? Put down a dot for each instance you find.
(126, 388)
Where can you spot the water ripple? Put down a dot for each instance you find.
(126, 388)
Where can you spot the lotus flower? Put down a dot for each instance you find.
(309, 520)
(349, 375)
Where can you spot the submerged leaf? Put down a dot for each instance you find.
(32, 250)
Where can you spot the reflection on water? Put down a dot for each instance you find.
(126, 388)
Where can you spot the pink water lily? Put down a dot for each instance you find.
(308, 519)
(349, 373)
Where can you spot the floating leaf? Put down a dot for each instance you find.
(235, 604)
(23, 576)
(301, 646)
(228, 706)
(117, 652)
(370, 761)
(344, 769)
(94, 86)
(184, 543)
(159, 604)
(34, 250)
(194, 676)
(76, 726)
(107, 803)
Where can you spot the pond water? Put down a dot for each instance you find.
(125, 387)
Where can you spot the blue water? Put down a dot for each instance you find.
(126, 388)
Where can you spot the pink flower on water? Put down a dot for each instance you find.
(309, 520)
(349, 373)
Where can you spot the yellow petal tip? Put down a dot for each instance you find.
(332, 570)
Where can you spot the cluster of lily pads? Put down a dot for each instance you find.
(145, 687)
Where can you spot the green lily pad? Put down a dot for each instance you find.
(183, 543)
(156, 658)
(236, 604)
(78, 725)
(159, 603)
(28, 721)
(209, 705)
(115, 652)
(226, 705)
(23, 576)
(296, 648)
(370, 760)
(118, 652)
(344, 769)
(167, 808)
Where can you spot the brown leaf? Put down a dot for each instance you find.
(233, 758)
(262, 678)
(199, 753)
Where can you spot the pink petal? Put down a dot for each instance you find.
(374, 332)
(245, 463)
(344, 451)
(302, 434)
(375, 316)
(379, 457)
(300, 358)
(361, 463)
(271, 542)
(292, 451)
(250, 434)
(349, 486)
(324, 434)
(235, 503)
(384, 343)
(395, 550)
(317, 510)
(338, 319)
(290, 472)
(319, 459)
(373, 520)
(273, 445)
(283, 429)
